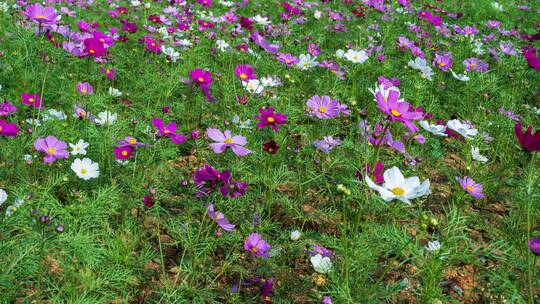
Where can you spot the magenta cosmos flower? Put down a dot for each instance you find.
(52, 147)
(534, 245)
(7, 108)
(323, 107)
(257, 246)
(219, 218)
(201, 77)
(208, 179)
(169, 131)
(529, 142)
(43, 15)
(32, 100)
(245, 72)
(473, 188)
(8, 129)
(94, 47)
(269, 118)
(398, 111)
(123, 152)
(224, 140)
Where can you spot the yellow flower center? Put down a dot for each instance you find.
(153, 44)
(398, 191)
(442, 64)
(1, 128)
(200, 79)
(51, 150)
(31, 100)
(254, 249)
(243, 76)
(228, 140)
(322, 109)
(469, 188)
(167, 131)
(472, 65)
(102, 40)
(84, 171)
(40, 17)
(124, 153)
(132, 141)
(395, 113)
(270, 119)
(287, 61)
(108, 71)
(91, 51)
(83, 91)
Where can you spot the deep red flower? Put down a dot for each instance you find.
(528, 141)
(271, 147)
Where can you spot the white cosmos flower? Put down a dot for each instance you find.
(79, 148)
(321, 264)
(114, 92)
(3, 196)
(253, 86)
(169, 51)
(422, 65)
(295, 235)
(54, 114)
(270, 81)
(317, 14)
(433, 129)
(396, 186)
(106, 118)
(340, 53)
(433, 246)
(384, 92)
(464, 130)
(306, 62)
(261, 20)
(477, 156)
(85, 168)
(356, 56)
(223, 46)
(460, 77)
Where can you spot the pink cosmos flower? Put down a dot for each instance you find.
(169, 131)
(8, 129)
(269, 118)
(201, 77)
(398, 111)
(219, 218)
(52, 147)
(31, 100)
(110, 73)
(244, 72)
(43, 15)
(470, 186)
(257, 246)
(123, 152)
(224, 140)
(84, 88)
(288, 59)
(323, 107)
(7, 108)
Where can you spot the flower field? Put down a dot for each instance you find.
(215, 151)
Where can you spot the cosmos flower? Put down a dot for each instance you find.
(534, 245)
(422, 65)
(84, 88)
(475, 152)
(123, 152)
(470, 186)
(39, 14)
(321, 264)
(79, 148)
(529, 142)
(433, 246)
(85, 168)
(8, 129)
(271, 147)
(7, 108)
(288, 59)
(475, 64)
(396, 186)
(3, 196)
(106, 118)
(201, 77)
(327, 143)
(253, 86)
(443, 61)
(52, 147)
(245, 72)
(323, 107)
(356, 56)
(257, 246)
(169, 131)
(434, 129)
(398, 111)
(219, 218)
(464, 129)
(375, 173)
(110, 73)
(94, 47)
(32, 100)
(224, 140)
(271, 119)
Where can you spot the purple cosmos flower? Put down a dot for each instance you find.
(52, 147)
(323, 107)
(219, 218)
(245, 72)
(257, 246)
(317, 249)
(110, 73)
(84, 88)
(266, 290)
(443, 61)
(534, 245)
(131, 141)
(229, 187)
(32, 100)
(474, 189)
(288, 59)
(169, 131)
(398, 111)
(269, 118)
(224, 140)
(208, 178)
(475, 64)
(42, 15)
(7, 108)
(8, 129)
(327, 143)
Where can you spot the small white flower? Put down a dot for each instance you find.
(396, 186)
(306, 62)
(433, 246)
(253, 86)
(321, 264)
(356, 56)
(477, 156)
(433, 129)
(261, 20)
(497, 6)
(460, 77)
(317, 14)
(147, 5)
(226, 3)
(242, 125)
(464, 130)
(270, 81)
(135, 3)
(106, 118)
(33, 122)
(295, 235)
(114, 92)
(85, 168)
(384, 92)
(422, 65)
(3, 196)
(171, 53)
(79, 148)
(185, 43)
(479, 48)
(4, 7)
(14, 207)
(223, 46)
(340, 53)
(54, 114)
